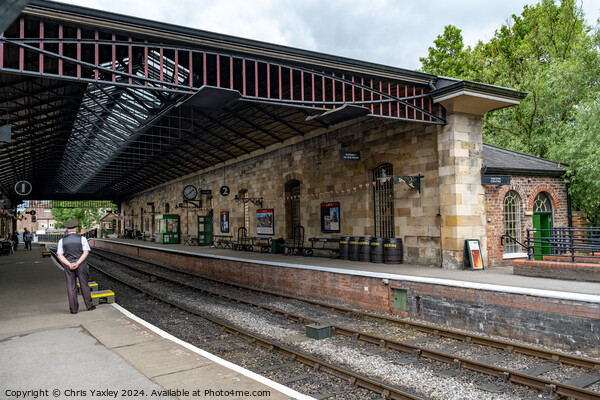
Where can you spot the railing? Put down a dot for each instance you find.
(53, 238)
(510, 238)
(49, 238)
(564, 244)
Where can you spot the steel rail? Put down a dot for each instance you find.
(510, 347)
(387, 391)
(460, 362)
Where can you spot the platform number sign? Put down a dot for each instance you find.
(472, 254)
(225, 190)
(23, 188)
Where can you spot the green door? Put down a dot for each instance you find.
(541, 235)
(205, 230)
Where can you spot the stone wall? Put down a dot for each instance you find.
(462, 210)
(315, 161)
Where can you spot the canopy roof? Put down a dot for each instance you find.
(104, 106)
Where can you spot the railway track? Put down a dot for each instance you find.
(346, 384)
(425, 343)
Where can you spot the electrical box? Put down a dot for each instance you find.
(318, 332)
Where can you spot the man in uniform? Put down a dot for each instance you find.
(72, 252)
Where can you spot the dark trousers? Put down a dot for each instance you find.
(72, 276)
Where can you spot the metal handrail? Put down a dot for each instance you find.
(513, 239)
(573, 243)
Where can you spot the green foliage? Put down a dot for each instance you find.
(448, 57)
(583, 154)
(87, 217)
(551, 54)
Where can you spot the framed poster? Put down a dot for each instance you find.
(265, 222)
(472, 254)
(224, 221)
(330, 217)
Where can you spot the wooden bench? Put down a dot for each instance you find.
(222, 241)
(295, 245)
(263, 242)
(294, 248)
(326, 244)
(190, 240)
(243, 241)
(103, 296)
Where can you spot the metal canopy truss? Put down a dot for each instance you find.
(102, 106)
(98, 204)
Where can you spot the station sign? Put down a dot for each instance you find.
(495, 179)
(350, 155)
(23, 188)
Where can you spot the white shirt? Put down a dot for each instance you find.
(84, 244)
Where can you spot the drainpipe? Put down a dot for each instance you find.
(569, 211)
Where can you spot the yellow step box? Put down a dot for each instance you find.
(103, 296)
(93, 287)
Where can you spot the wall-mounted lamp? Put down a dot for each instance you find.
(413, 182)
(257, 201)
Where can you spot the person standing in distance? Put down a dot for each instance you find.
(72, 251)
(27, 238)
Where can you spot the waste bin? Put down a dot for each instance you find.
(278, 246)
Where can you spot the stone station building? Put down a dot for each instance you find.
(295, 179)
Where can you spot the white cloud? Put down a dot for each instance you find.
(389, 32)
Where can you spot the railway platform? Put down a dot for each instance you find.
(497, 278)
(46, 352)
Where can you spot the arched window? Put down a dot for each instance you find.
(512, 223)
(542, 204)
(384, 202)
(243, 194)
(292, 191)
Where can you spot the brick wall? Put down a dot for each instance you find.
(567, 324)
(583, 269)
(527, 188)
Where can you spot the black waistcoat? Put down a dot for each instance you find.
(72, 247)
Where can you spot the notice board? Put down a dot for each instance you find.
(472, 254)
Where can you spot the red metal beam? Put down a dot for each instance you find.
(366, 90)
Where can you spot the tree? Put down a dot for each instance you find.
(87, 217)
(551, 54)
(448, 57)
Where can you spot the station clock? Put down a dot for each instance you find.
(190, 192)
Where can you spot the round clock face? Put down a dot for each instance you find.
(190, 192)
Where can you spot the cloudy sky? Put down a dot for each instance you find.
(390, 32)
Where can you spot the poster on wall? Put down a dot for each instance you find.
(472, 254)
(265, 222)
(224, 221)
(330, 217)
